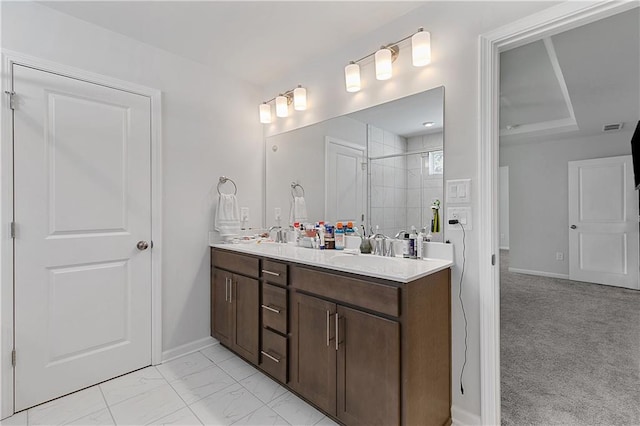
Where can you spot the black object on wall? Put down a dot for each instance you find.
(635, 152)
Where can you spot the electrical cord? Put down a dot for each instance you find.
(464, 314)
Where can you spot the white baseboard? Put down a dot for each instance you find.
(188, 348)
(539, 273)
(460, 417)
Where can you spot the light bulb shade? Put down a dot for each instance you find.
(384, 70)
(265, 113)
(282, 107)
(421, 48)
(352, 77)
(299, 98)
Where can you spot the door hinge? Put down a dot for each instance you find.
(12, 229)
(13, 357)
(12, 99)
(493, 260)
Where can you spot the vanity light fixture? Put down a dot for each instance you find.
(282, 106)
(384, 67)
(297, 96)
(352, 77)
(386, 55)
(265, 113)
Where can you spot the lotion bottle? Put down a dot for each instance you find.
(420, 244)
(339, 236)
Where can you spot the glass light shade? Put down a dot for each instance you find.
(282, 108)
(265, 113)
(421, 48)
(352, 77)
(384, 70)
(299, 98)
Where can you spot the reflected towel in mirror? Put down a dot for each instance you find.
(227, 215)
(298, 211)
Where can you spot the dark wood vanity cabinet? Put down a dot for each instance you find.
(313, 355)
(366, 351)
(346, 360)
(274, 346)
(235, 297)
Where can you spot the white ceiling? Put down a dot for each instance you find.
(598, 64)
(255, 40)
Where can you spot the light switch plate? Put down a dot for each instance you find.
(463, 215)
(458, 191)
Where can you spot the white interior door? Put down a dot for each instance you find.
(82, 203)
(603, 220)
(344, 181)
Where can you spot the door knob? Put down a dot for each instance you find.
(573, 227)
(142, 245)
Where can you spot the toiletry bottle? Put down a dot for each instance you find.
(405, 245)
(413, 247)
(339, 236)
(329, 240)
(429, 236)
(349, 230)
(321, 234)
(420, 243)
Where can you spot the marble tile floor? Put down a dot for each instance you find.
(209, 387)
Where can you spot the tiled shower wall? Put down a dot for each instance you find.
(432, 184)
(388, 181)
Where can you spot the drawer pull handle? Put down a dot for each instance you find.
(271, 357)
(269, 308)
(275, 274)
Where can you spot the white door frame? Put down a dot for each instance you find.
(548, 22)
(6, 209)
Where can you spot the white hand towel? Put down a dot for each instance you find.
(227, 215)
(298, 211)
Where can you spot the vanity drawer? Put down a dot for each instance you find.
(234, 262)
(274, 272)
(376, 297)
(274, 308)
(273, 355)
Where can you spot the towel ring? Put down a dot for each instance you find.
(223, 180)
(293, 189)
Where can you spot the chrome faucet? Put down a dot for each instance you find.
(277, 228)
(382, 245)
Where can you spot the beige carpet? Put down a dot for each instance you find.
(570, 352)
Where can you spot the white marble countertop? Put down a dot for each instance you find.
(394, 269)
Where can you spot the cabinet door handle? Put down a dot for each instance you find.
(271, 357)
(275, 274)
(226, 289)
(328, 316)
(337, 330)
(269, 308)
(230, 290)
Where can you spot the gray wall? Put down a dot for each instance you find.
(538, 196)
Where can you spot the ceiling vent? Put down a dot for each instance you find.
(612, 127)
